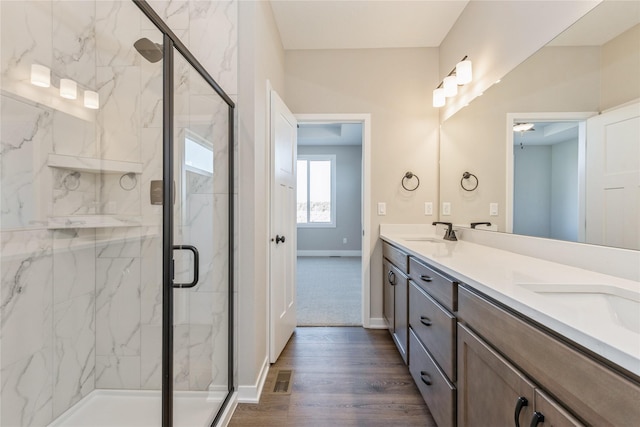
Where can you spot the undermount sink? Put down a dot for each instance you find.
(424, 239)
(603, 302)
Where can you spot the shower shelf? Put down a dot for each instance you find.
(92, 165)
(94, 221)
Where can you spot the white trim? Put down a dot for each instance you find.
(511, 119)
(377, 323)
(367, 237)
(252, 393)
(329, 253)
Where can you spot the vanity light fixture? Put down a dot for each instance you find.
(91, 99)
(40, 75)
(463, 72)
(68, 89)
(438, 97)
(448, 87)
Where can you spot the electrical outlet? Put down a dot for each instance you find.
(382, 208)
(344, 241)
(428, 208)
(493, 209)
(446, 208)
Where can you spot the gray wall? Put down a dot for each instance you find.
(546, 191)
(348, 203)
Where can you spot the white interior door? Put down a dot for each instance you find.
(613, 179)
(282, 296)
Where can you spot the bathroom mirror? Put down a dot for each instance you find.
(592, 67)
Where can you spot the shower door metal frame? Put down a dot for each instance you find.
(171, 42)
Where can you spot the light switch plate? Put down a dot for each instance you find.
(428, 208)
(382, 208)
(493, 209)
(446, 208)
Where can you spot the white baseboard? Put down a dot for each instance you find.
(329, 253)
(251, 393)
(225, 419)
(377, 323)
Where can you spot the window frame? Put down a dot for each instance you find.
(319, 157)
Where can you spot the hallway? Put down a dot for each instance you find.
(342, 376)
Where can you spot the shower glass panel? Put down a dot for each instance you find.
(201, 219)
(81, 221)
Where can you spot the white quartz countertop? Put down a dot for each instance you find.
(596, 311)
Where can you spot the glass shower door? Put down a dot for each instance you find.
(201, 248)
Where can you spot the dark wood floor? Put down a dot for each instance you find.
(341, 377)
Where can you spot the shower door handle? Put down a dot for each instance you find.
(196, 266)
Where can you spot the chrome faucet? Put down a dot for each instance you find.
(449, 234)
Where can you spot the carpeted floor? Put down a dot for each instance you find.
(329, 291)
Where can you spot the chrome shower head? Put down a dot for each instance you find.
(151, 51)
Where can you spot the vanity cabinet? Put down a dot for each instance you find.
(396, 297)
(492, 392)
(503, 356)
(432, 339)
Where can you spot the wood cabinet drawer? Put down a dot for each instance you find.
(441, 288)
(591, 390)
(396, 257)
(436, 390)
(435, 327)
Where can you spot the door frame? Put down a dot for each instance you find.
(548, 117)
(365, 121)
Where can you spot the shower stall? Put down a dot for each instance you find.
(116, 221)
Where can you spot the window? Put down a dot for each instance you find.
(198, 154)
(316, 190)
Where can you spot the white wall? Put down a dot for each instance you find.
(348, 203)
(394, 86)
(261, 58)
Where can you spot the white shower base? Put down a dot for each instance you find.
(133, 408)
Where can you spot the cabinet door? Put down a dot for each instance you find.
(388, 284)
(491, 392)
(550, 414)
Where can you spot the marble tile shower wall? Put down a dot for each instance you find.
(81, 308)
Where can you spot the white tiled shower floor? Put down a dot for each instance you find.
(125, 408)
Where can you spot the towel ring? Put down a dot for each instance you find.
(407, 176)
(468, 175)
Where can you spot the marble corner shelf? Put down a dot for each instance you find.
(92, 165)
(93, 221)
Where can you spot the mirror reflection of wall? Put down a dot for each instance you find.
(573, 74)
(547, 180)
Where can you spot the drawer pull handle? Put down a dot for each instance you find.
(425, 320)
(425, 278)
(537, 418)
(424, 374)
(392, 278)
(521, 403)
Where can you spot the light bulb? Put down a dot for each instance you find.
(68, 89)
(463, 72)
(450, 86)
(40, 75)
(91, 99)
(438, 98)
